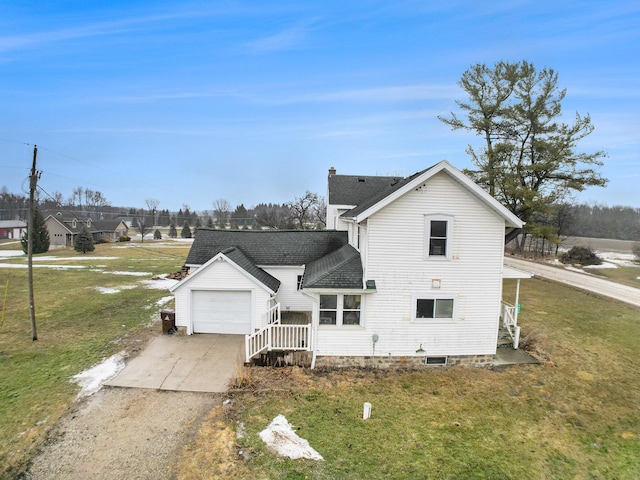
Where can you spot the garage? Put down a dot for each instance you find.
(221, 311)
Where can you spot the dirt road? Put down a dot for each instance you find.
(583, 281)
(122, 433)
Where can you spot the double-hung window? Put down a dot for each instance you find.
(340, 310)
(438, 233)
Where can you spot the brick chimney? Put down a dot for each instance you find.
(332, 171)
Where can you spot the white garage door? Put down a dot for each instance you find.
(221, 311)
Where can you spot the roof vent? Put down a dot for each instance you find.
(361, 179)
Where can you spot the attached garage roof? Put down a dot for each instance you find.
(267, 247)
(240, 259)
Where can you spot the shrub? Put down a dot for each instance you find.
(636, 250)
(125, 238)
(157, 235)
(580, 255)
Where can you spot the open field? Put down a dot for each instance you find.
(87, 308)
(575, 416)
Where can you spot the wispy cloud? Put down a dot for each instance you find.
(283, 40)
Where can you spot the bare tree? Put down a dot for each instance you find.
(221, 210)
(152, 205)
(301, 209)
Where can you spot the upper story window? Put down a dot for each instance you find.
(438, 233)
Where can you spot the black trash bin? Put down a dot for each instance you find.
(168, 317)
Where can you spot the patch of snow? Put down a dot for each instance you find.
(601, 266)
(111, 290)
(91, 380)
(11, 253)
(55, 267)
(133, 274)
(52, 258)
(622, 259)
(160, 284)
(280, 438)
(164, 300)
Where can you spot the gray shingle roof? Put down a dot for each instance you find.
(381, 194)
(267, 247)
(355, 189)
(236, 256)
(339, 269)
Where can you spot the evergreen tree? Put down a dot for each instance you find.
(157, 235)
(84, 241)
(40, 235)
(173, 233)
(186, 231)
(210, 223)
(529, 160)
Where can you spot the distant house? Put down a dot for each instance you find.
(12, 229)
(409, 273)
(63, 231)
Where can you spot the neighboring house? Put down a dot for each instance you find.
(410, 273)
(12, 229)
(63, 231)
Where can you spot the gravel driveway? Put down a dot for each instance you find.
(121, 433)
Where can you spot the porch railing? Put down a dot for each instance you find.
(276, 336)
(510, 322)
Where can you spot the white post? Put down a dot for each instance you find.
(367, 411)
(515, 314)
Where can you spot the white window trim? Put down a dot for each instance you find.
(427, 236)
(340, 311)
(434, 296)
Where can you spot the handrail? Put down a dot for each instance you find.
(510, 322)
(276, 336)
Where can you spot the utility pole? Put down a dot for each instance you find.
(33, 182)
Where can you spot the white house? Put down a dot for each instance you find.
(409, 273)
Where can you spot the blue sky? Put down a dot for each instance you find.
(189, 102)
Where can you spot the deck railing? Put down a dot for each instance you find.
(276, 336)
(510, 322)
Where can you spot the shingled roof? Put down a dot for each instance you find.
(381, 194)
(355, 189)
(267, 247)
(339, 269)
(239, 258)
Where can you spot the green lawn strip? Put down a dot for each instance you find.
(76, 326)
(574, 417)
(624, 275)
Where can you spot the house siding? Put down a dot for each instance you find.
(395, 259)
(220, 275)
(289, 297)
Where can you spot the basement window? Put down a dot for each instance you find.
(433, 361)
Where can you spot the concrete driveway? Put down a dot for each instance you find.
(194, 363)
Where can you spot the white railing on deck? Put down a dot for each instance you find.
(278, 337)
(273, 315)
(510, 322)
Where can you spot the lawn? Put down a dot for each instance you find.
(574, 416)
(77, 327)
(627, 275)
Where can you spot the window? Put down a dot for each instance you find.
(351, 310)
(340, 310)
(328, 309)
(438, 236)
(434, 308)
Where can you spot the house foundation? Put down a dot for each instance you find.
(402, 362)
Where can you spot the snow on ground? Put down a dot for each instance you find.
(50, 258)
(133, 274)
(161, 283)
(164, 300)
(112, 290)
(280, 438)
(11, 253)
(91, 380)
(55, 267)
